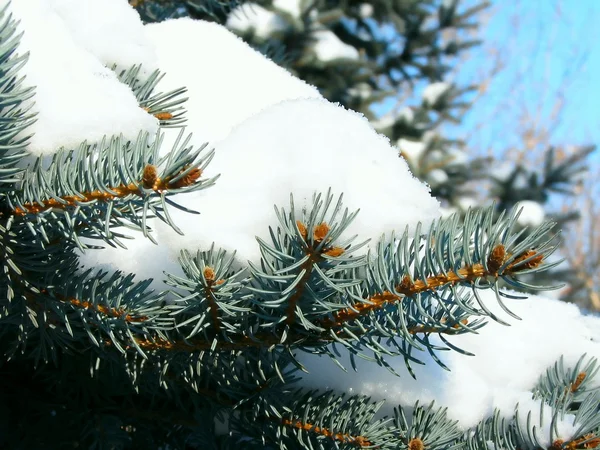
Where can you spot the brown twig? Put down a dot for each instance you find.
(150, 180)
(106, 310)
(209, 275)
(314, 257)
(359, 441)
(409, 288)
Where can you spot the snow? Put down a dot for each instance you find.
(365, 10)
(532, 213)
(434, 92)
(300, 147)
(362, 90)
(227, 81)
(250, 17)
(328, 47)
(502, 373)
(384, 122)
(77, 98)
(448, 211)
(412, 150)
(291, 7)
(219, 100)
(437, 177)
(503, 170)
(110, 30)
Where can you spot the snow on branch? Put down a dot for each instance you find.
(77, 97)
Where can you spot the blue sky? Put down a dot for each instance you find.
(551, 55)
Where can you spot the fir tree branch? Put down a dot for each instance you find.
(358, 441)
(118, 313)
(149, 181)
(15, 116)
(166, 107)
(315, 251)
(529, 259)
(91, 191)
(264, 340)
(318, 420)
(296, 423)
(352, 316)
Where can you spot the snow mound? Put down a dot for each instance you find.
(77, 98)
(251, 17)
(274, 136)
(501, 374)
(227, 80)
(301, 147)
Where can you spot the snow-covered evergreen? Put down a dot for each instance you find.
(230, 330)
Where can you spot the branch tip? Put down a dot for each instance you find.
(587, 441)
(416, 444)
(496, 258)
(209, 273)
(578, 380)
(359, 441)
(163, 115)
(149, 176)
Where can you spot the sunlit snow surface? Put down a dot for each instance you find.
(301, 147)
(227, 80)
(507, 364)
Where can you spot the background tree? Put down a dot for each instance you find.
(536, 83)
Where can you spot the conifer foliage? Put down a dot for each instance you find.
(92, 359)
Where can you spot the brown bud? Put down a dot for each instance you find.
(535, 261)
(405, 285)
(190, 178)
(580, 377)
(163, 115)
(334, 251)
(149, 177)
(209, 273)
(302, 229)
(416, 444)
(320, 231)
(496, 258)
